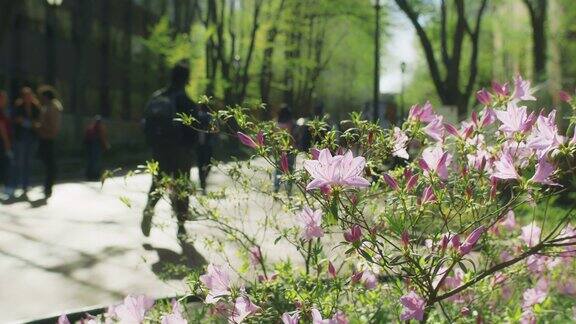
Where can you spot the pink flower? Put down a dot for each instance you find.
(509, 222)
(134, 309)
(247, 140)
(413, 307)
(405, 239)
(504, 168)
(400, 141)
(488, 117)
(484, 97)
(293, 318)
(315, 153)
(412, 182)
(338, 318)
(522, 90)
(533, 296)
(565, 96)
(543, 172)
(255, 255)
(514, 119)
(567, 287)
(545, 137)
(369, 280)
(217, 281)
(62, 319)
(531, 234)
(176, 316)
(311, 223)
(471, 240)
(331, 270)
(243, 308)
(353, 234)
(390, 181)
(500, 89)
(340, 170)
(437, 160)
(424, 114)
(528, 317)
(435, 129)
(427, 195)
(284, 167)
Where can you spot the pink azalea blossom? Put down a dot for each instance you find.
(243, 307)
(176, 316)
(391, 181)
(514, 119)
(413, 307)
(544, 170)
(340, 170)
(533, 296)
(62, 319)
(284, 165)
(567, 287)
(528, 317)
(424, 114)
(405, 239)
(500, 89)
(133, 310)
(531, 234)
(565, 96)
(315, 153)
(255, 254)
(353, 234)
(484, 97)
(412, 182)
(427, 195)
(217, 281)
(536, 263)
(400, 144)
(338, 318)
(488, 116)
(291, 318)
(331, 269)
(369, 280)
(311, 223)
(435, 129)
(522, 90)
(246, 140)
(471, 240)
(504, 168)
(437, 160)
(545, 137)
(509, 221)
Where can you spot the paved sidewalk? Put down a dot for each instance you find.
(85, 247)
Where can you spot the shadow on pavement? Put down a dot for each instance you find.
(172, 265)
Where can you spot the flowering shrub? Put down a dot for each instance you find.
(427, 222)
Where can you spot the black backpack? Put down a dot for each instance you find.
(160, 127)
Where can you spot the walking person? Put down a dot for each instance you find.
(95, 143)
(204, 147)
(26, 121)
(172, 145)
(50, 124)
(285, 122)
(6, 154)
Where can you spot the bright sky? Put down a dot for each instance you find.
(400, 47)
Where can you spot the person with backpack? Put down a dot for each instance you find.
(172, 145)
(50, 124)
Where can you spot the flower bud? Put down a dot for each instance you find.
(246, 140)
(284, 162)
(390, 181)
(484, 97)
(565, 96)
(353, 234)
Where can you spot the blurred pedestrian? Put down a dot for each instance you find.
(172, 144)
(50, 123)
(204, 147)
(26, 121)
(285, 122)
(95, 143)
(6, 154)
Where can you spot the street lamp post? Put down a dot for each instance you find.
(376, 99)
(403, 70)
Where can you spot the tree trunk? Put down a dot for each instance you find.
(127, 64)
(50, 44)
(81, 23)
(105, 104)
